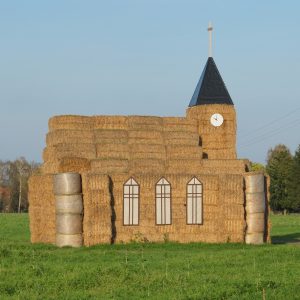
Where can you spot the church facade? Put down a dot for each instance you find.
(153, 179)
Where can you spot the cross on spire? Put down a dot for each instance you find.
(210, 29)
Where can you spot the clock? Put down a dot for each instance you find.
(216, 120)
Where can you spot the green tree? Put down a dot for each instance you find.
(293, 200)
(256, 167)
(279, 164)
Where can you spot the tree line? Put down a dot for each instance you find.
(284, 171)
(14, 177)
(282, 167)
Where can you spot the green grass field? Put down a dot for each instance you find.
(152, 271)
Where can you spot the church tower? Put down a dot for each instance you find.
(212, 106)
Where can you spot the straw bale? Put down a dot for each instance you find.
(144, 134)
(235, 226)
(255, 222)
(188, 166)
(181, 135)
(107, 166)
(232, 197)
(234, 211)
(255, 203)
(255, 182)
(92, 181)
(50, 167)
(220, 154)
(144, 120)
(70, 122)
(59, 151)
(145, 123)
(231, 182)
(110, 134)
(106, 151)
(190, 140)
(210, 197)
(74, 164)
(214, 139)
(41, 209)
(110, 122)
(256, 238)
(147, 141)
(179, 124)
(142, 166)
(65, 136)
(229, 166)
(182, 152)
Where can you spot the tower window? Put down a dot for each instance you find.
(194, 201)
(131, 202)
(163, 202)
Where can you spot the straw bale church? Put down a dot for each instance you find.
(148, 178)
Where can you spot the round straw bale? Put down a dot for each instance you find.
(68, 223)
(67, 184)
(69, 204)
(255, 238)
(72, 240)
(255, 222)
(255, 182)
(255, 203)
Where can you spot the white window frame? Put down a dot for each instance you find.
(163, 202)
(131, 203)
(194, 205)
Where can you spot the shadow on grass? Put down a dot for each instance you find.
(293, 238)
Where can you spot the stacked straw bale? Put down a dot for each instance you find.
(217, 142)
(69, 209)
(255, 208)
(41, 209)
(97, 221)
(232, 195)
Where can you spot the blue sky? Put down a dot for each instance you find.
(145, 58)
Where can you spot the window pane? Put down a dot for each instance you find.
(199, 188)
(199, 210)
(126, 189)
(158, 210)
(167, 189)
(135, 211)
(135, 190)
(126, 211)
(190, 188)
(168, 211)
(189, 211)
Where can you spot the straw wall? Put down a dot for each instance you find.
(42, 209)
(223, 212)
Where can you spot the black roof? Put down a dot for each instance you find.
(211, 88)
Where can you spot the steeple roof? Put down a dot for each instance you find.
(211, 88)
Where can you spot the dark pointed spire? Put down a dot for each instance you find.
(211, 88)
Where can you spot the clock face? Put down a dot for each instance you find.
(216, 120)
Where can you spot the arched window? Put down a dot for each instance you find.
(163, 202)
(131, 202)
(194, 202)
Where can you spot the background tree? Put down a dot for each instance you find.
(279, 162)
(256, 167)
(293, 200)
(14, 177)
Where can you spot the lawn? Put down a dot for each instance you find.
(152, 271)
